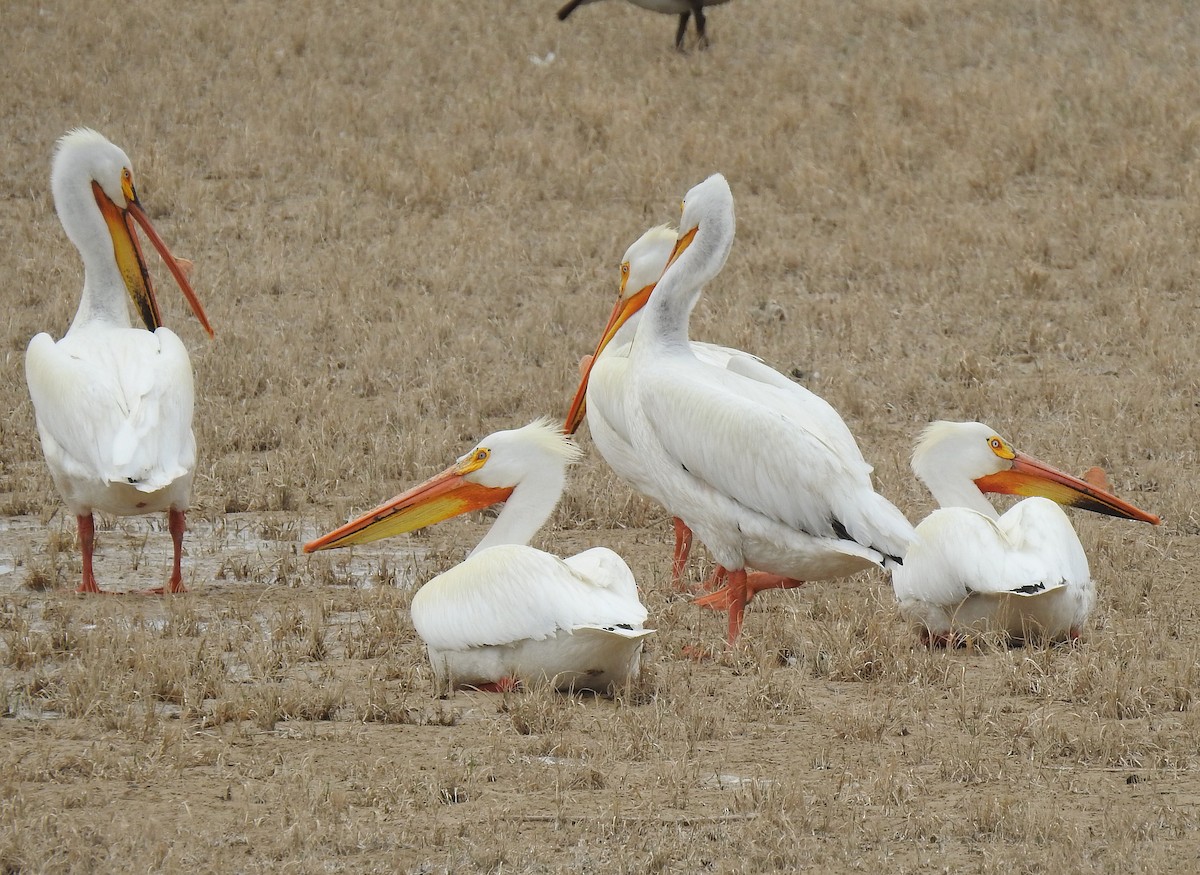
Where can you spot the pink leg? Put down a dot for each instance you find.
(87, 542)
(737, 604)
(756, 582)
(683, 548)
(942, 640)
(504, 685)
(177, 525)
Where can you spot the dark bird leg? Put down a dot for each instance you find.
(698, 10)
(682, 32)
(568, 9)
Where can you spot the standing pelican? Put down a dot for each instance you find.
(113, 403)
(683, 8)
(509, 612)
(643, 263)
(766, 475)
(971, 569)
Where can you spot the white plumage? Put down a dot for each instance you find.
(642, 265)
(970, 569)
(113, 403)
(510, 612)
(765, 473)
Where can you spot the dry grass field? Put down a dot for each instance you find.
(406, 219)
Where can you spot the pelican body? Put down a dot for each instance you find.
(971, 569)
(685, 9)
(113, 403)
(642, 265)
(766, 474)
(510, 613)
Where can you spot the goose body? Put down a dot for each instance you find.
(685, 9)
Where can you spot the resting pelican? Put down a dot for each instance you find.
(113, 403)
(643, 263)
(510, 613)
(971, 569)
(766, 475)
(683, 8)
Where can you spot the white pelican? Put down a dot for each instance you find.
(113, 403)
(643, 263)
(510, 613)
(685, 9)
(971, 569)
(766, 475)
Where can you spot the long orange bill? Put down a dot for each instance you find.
(622, 310)
(446, 495)
(1028, 477)
(135, 209)
(132, 263)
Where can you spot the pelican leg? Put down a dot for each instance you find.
(737, 604)
(942, 640)
(87, 542)
(504, 685)
(756, 582)
(683, 548)
(177, 525)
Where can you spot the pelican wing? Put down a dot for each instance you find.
(511, 593)
(114, 405)
(958, 552)
(740, 362)
(772, 450)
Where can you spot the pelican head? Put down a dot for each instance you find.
(959, 461)
(707, 222)
(643, 264)
(535, 456)
(709, 204)
(94, 194)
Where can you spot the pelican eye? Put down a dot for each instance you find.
(127, 184)
(1001, 448)
(474, 461)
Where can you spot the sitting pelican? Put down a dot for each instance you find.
(683, 8)
(971, 569)
(113, 403)
(510, 613)
(767, 475)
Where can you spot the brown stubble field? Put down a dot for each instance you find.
(406, 232)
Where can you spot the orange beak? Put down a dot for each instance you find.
(1028, 477)
(132, 264)
(624, 308)
(446, 495)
